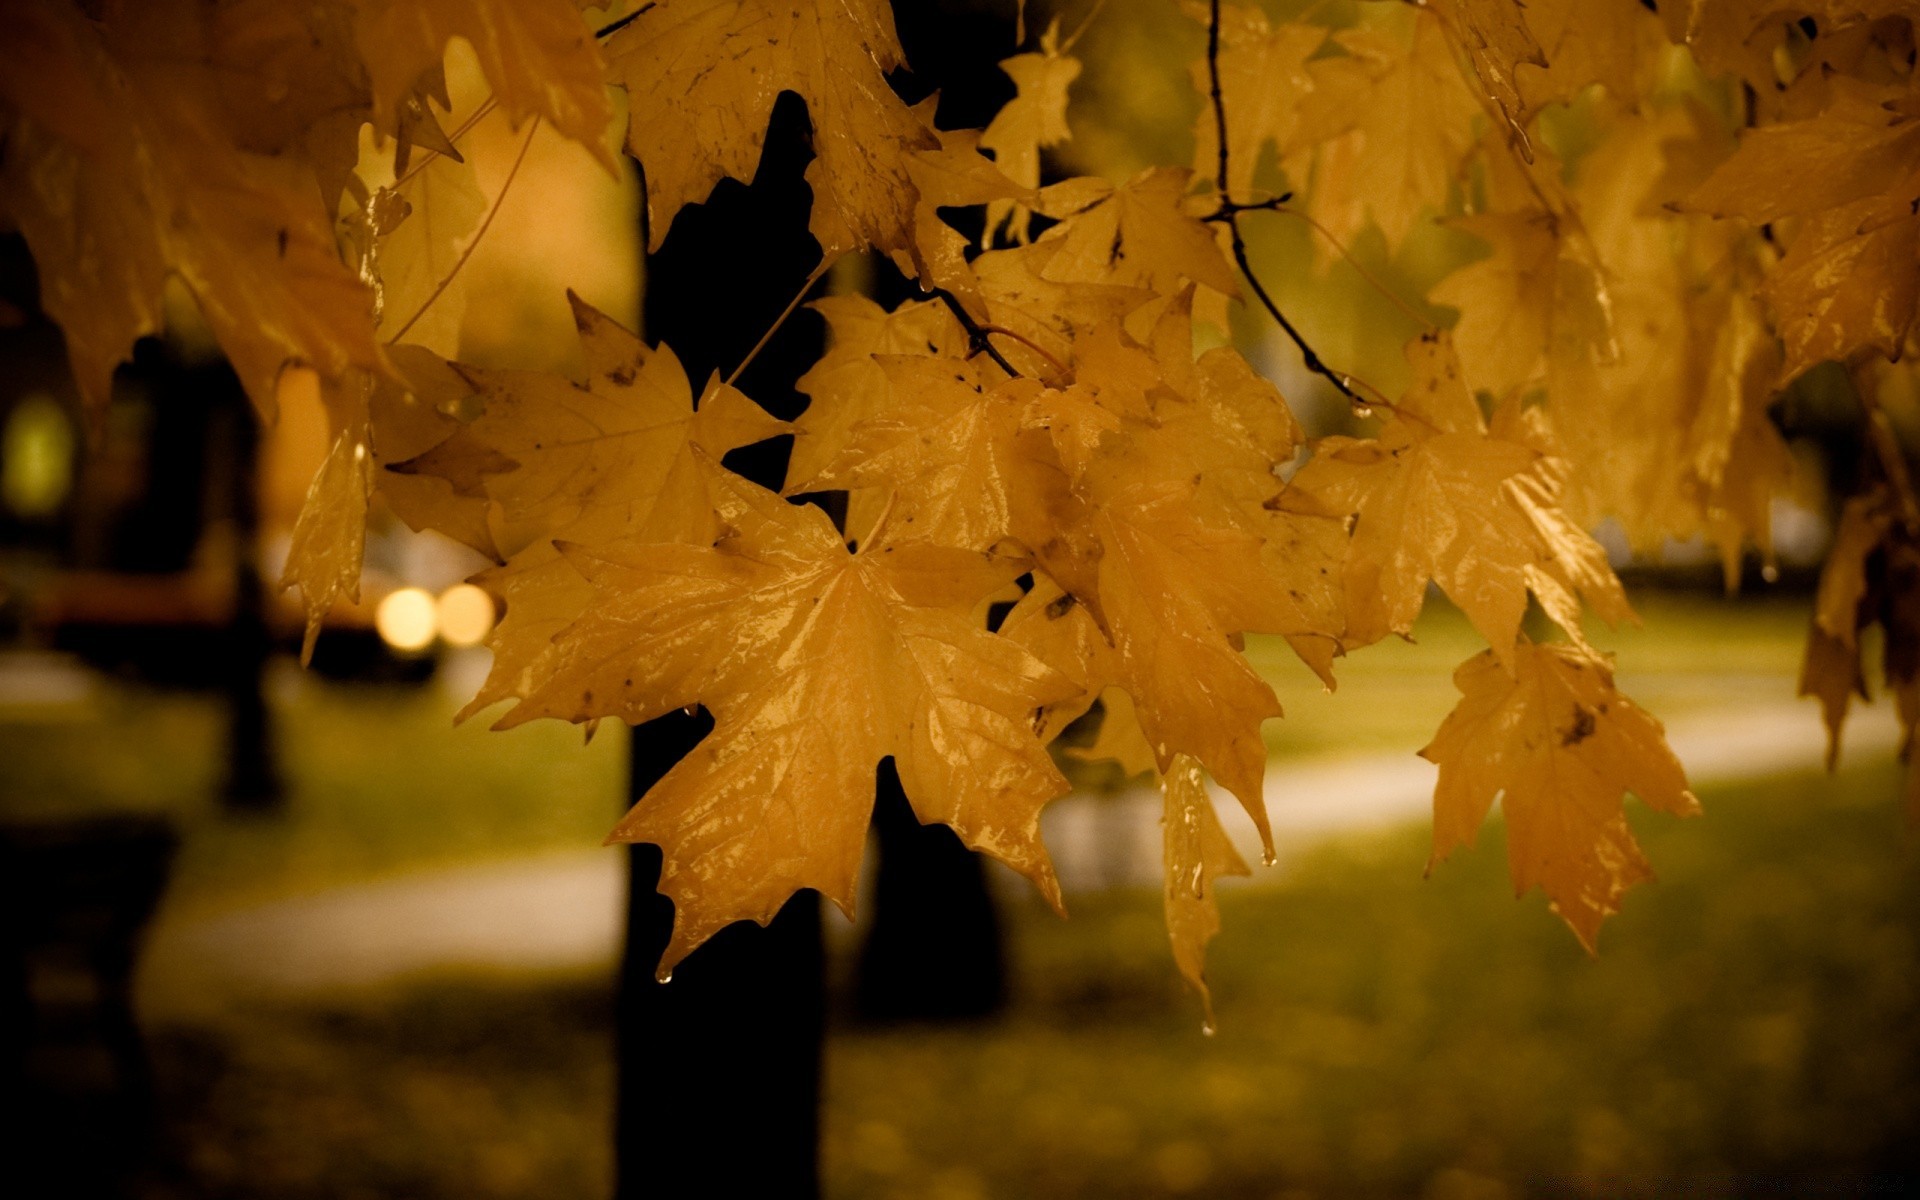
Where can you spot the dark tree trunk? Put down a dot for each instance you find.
(719, 1070)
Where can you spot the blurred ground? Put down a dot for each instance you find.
(1747, 1030)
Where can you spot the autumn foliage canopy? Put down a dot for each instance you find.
(1684, 207)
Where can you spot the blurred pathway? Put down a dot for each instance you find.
(565, 911)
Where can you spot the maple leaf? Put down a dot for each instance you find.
(1139, 235)
(1847, 602)
(409, 238)
(1263, 79)
(959, 457)
(817, 663)
(539, 55)
(1536, 307)
(1495, 37)
(847, 385)
(1436, 497)
(1550, 734)
(602, 459)
(1033, 120)
(407, 419)
(329, 536)
(1583, 42)
(1849, 174)
(701, 78)
(123, 177)
(1391, 121)
(1198, 852)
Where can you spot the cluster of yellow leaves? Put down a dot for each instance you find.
(1040, 433)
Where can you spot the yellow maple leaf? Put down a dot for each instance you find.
(1139, 235)
(1615, 43)
(538, 55)
(1392, 122)
(1559, 744)
(1495, 37)
(600, 460)
(701, 78)
(847, 385)
(406, 420)
(817, 664)
(1847, 176)
(1197, 853)
(1436, 497)
(124, 176)
(1033, 120)
(329, 536)
(1263, 78)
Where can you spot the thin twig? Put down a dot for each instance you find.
(1229, 209)
(1059, 368)
(1341, 383)
(506, 186)
(479, 114)
(607, 31)
(976, 332)
(780, 320)
(1219, 102)
(1066, 47)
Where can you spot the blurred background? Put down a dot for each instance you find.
(284, 932)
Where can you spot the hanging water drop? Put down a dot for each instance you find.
(665, 976)
(1207, 1027)
(1268, 857)
(1770, 573)
(1363, 411)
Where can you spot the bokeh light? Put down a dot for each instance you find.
(407, 619)
(465, 615)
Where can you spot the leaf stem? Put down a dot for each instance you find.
(506, 186)
(805, 287)
(1059, 368)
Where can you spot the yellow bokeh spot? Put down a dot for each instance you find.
(407, 619)
(466, 615)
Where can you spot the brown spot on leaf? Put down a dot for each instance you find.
(1581, 730)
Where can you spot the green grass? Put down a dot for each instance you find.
(1379, 1035)
(383, 783)
(380, 782)
(1748, 1029)
(1690, 652)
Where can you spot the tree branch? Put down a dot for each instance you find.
(1230, 213)
(977, 334)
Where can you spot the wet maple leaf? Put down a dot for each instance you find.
(1495, 37)
(1197, 853)
(1551, 735)
(701, 78)
(1438, 497)
(329, 536)
(1139, 235)
(848, 385)
(602, 459)
(817, 663)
